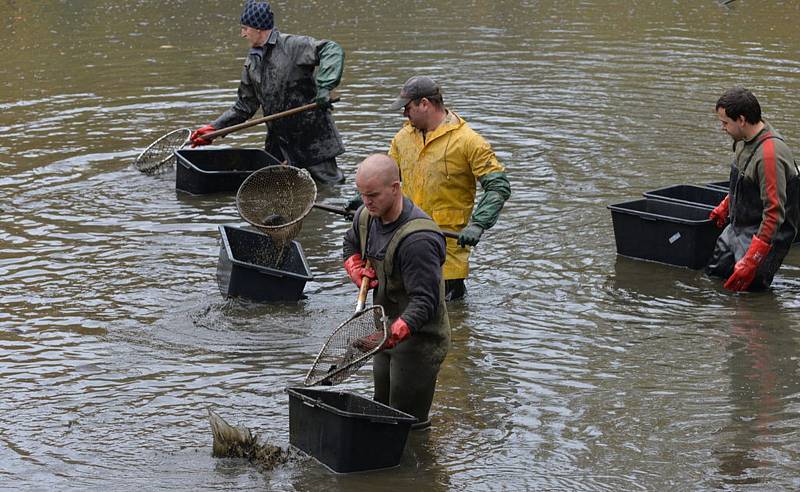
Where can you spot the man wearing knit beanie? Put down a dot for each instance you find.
(281, 72)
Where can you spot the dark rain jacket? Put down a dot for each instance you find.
(281, 76)
(764, 193)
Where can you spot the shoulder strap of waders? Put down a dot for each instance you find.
(413, 225)
(760, 141)
(363, 230)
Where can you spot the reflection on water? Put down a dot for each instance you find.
(763, 369)
(571, 368)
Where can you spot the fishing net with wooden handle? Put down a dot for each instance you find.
(160, 155)
(350, 346)
(275, 199)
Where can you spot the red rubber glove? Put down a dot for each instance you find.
(720, 213)
(356, 269)
(197, 136)
(745, 269)
(398, 332)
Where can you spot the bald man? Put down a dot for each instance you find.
(406, 251)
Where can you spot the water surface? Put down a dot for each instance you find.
(571, 368)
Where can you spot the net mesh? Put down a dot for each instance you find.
(160, 155)
(343, 353)
(275, 199)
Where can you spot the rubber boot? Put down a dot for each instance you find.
(326, 172)
(454, 289)
(405, 376)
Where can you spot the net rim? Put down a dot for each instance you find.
(160, 164)
(264, 170)
(310, 381)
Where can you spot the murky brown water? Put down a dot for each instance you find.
(571, 368)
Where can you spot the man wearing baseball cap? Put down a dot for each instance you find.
(281, 72)
(441, 158)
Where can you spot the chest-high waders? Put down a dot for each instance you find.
(405, 376)
(746, 210)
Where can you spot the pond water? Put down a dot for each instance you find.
(571, 368)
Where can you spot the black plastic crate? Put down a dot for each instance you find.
(346, 432)
(719, 185)
(700, 196)
(667, 232)
(247, 268)
(204, 171)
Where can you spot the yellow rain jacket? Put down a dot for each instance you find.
(439, 175)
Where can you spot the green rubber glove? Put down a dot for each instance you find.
(329, 72)
(470, 235)
(354, 202)
(496, 190)
(323, 98)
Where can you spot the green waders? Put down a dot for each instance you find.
(405, 376)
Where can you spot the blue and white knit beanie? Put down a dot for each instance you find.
(257, 15)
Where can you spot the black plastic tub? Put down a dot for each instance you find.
(247, 267)
(346, 432)
(700, 196)
(666, 232)
(719, 185)
(204, 171)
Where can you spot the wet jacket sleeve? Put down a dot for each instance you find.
(326, 55)
(246, 103)
(496, 190)
(771, 168)
(351, 244)
(420, 258)
(394, 153)
(331, 65)
(481, 156)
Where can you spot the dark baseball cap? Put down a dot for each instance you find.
(416, 87)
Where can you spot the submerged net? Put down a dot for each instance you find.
(275, 199)
(240, 442)
(160, 155)
(349, 347)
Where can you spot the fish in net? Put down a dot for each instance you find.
(276, 199)
(351, 345)
(160, 155)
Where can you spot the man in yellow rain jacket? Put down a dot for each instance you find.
(441, 158)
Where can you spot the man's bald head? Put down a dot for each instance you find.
(381, 166)
(378, 181)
